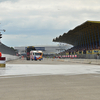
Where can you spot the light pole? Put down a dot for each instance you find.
(0, 35)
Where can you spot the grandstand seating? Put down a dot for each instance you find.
(85, 38)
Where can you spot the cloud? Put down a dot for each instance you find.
(26, 40)
(9, 0)
(45, 17)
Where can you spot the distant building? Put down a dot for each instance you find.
(45, 49)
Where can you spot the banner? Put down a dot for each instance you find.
(67, 53)
(95, 51)
(80, 52)
(89, 52)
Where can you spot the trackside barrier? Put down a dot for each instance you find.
(71, 56)
(2, 60)
(75, 56)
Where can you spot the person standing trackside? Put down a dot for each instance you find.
(98, 56)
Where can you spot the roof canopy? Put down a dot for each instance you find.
(72, 36)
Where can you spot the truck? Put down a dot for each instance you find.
(36, 55)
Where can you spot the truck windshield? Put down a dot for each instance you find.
(37, 53)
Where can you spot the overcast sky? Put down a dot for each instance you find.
(37, 22)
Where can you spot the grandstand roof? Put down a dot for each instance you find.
(74, 35)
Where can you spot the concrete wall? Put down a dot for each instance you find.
(9, 57)
(89, 56)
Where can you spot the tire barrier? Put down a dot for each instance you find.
(75, 56)
(66, 56)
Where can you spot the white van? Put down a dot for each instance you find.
(36, 55)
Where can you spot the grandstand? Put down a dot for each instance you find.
(6, 50)
(85, 38)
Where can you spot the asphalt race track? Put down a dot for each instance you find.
(49, 79)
